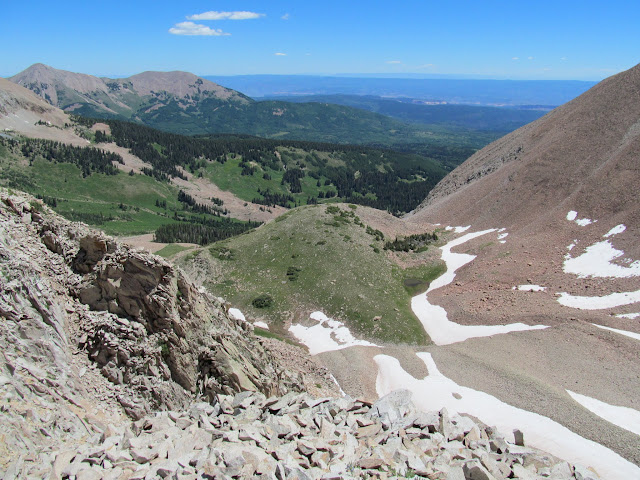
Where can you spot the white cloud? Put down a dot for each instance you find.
(515, 58)
(529, 58)
(563, 59)
(190, 28)
(225, 16)
(394, 62)
(426, 65)
(286, 16)
(280, 54)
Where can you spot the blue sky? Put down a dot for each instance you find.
(503, 39)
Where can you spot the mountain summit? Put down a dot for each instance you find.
(129, 97)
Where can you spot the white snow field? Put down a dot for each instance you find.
(599, 303)
(623, 417)
(437, 391)
(434, 318)
(630, 316)
(327, 335)
(596, 262)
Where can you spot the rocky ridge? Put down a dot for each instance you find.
(93, 329)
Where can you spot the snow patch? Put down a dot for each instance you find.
(596, 262)
(436, 391)
(623, 417)
(237, 314)
(628, 315)
(626, 333)
(434, 318)
(262, 325)
(572, 216)
(531, 288)
(502, 236)
(571, 245)
(599, 303)
(457, 229)
(615, 231)
(328, 335)
(583, 222)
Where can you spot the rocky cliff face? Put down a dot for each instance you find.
(92, 328)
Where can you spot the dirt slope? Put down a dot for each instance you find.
(581, 156)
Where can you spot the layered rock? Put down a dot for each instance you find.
(75, 303)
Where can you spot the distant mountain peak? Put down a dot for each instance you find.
(89, 94)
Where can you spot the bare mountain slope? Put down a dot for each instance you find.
(581, 156)
(561, 196)
(558, 187)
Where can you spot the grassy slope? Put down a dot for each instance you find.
(129, 200)
(340, 274)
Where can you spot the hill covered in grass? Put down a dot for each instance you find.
(321, 257)
(82, 184)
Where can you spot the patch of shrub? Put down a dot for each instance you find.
(292, 273)
(262, 301)
(332, 210)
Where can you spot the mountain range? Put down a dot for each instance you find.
(533, 324)
(181, 102)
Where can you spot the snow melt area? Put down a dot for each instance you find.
(237, 314)
(623, 417)
(599, 303)
(596, 262)
(572, 216)
(630, 316)
(615, 230)
(437, 391)
(328, 335)
(531, 288)
(458, 229)
(434, 318)
(621, 332)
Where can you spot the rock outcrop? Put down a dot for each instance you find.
(75, 303)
